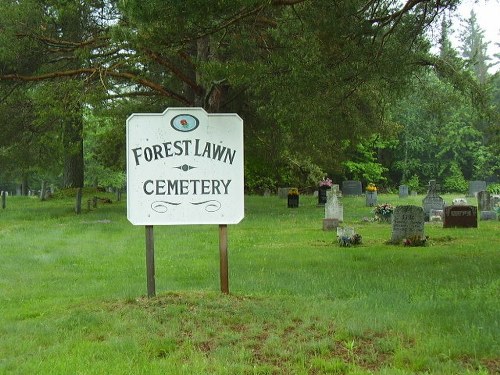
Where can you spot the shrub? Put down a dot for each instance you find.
(494, 188)
(455, 182)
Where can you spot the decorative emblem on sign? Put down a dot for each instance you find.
(211, 205)
(185, 167)
(184, 123)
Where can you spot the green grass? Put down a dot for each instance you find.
(72, 295)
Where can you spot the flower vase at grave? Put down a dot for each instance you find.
(383, 212)
(293, 198)
(322, 194)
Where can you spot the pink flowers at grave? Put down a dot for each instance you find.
(326, 182)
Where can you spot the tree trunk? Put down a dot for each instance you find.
(73, 176)
(24, 185)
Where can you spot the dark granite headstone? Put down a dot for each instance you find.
(407, 221)
(432, 201)
(460, 217)
(351, 188)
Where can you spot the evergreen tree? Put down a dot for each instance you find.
(474, 48)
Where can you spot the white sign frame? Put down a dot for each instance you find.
(185, 166)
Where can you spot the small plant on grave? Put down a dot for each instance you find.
(415, 241)
(356, 239)
(371, 187)
(383, 211)
(346, 240)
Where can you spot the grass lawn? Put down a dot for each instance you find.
(72, 294)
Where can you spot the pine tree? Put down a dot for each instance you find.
(474, 49)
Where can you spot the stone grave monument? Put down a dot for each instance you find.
(475, 187)
(460, 216)
(334, 211)
(486, 206)
(403, 191)
(432, 200)
(371, 198)
(407, 221)
(351, 188)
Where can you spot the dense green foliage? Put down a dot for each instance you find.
(72, 294)
(325, 88)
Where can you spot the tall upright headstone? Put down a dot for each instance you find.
(432, 200)
(484, 202)
(334, 211)
(486, 206)
(407, 221)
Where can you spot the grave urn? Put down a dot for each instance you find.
(293, 198)
(322, 194)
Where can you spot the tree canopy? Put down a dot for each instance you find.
(315, 81)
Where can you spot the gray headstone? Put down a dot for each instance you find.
(475, 187)
(333, 208)
(351, 188)
(283, 192)
(407, 221)
(484, 202)
(488, 215)
(371, 198)
(432, 201)
(460, 216)
(436, 215)
(403, 191)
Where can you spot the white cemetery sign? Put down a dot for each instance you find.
(184, 166)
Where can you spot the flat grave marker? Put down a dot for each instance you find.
(460, 216)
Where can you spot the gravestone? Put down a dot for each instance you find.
(336, 189)
(488, 215)
(484, 202)
(334, 211)
(283, 192)
(475, 187)
(436, 215)
(350, 187)
(460, 217)
(407, 221)
(432, 201)
(371, 198)
(403, 191)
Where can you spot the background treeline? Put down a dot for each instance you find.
(352, 89)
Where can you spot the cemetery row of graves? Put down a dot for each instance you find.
(407, 220)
